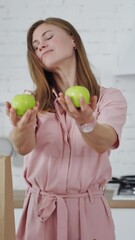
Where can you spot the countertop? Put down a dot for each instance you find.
(118, 203)
(19, 195)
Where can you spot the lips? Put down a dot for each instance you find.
(45, 53)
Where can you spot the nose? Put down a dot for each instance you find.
(42, 45)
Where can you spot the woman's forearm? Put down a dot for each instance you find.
(101, 138)
(23, 141)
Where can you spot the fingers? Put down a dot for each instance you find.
(8, 106)
(84, 107)
(11, 113)
(85, 113)
(70, 105)
(61, 100)
(93, 103)
(66, 103)
(26, 120)
(37, 105)
(82, 115)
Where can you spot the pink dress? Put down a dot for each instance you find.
(66, 177)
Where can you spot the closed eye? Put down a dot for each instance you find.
(35, 48)
(45, 39)
(49, 37)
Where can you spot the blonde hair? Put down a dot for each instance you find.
(43, 79)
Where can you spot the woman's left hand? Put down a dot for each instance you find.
(82, 115)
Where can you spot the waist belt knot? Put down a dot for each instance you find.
(50, 202)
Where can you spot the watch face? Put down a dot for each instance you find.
(87, 128)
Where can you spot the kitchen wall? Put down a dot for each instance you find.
(108, 30)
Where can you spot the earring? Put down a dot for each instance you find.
(74, 45)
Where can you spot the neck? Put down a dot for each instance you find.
(65, 75)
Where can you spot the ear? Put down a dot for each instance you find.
(74, 44)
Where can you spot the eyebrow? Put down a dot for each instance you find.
(43, 34)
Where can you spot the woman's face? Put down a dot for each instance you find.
(53, 46)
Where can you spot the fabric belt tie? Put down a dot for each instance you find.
(51, 202)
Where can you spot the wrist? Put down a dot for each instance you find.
(87, 127)
(22, 130)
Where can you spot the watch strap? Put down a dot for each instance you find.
(87, 127)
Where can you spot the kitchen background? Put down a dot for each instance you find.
(108, 31)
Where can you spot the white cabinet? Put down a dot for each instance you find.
(17, 214)
(124, 220)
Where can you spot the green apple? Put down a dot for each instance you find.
(22, 102)
(77, 92)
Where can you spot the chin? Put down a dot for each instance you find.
(50, 66)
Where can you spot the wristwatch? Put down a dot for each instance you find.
(87, 127)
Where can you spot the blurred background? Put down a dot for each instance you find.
(107, 29)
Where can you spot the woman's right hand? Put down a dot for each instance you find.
(28, 120)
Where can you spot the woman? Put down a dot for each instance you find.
(66, 168)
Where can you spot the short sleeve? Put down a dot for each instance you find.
(112, 110)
